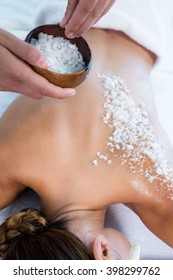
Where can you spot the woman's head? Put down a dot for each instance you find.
(29, 235)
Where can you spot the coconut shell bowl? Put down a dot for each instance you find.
(71, 80)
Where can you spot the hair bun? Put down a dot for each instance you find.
(25, 222)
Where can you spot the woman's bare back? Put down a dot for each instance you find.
(50, 145)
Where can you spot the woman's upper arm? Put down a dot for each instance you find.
(158, 218)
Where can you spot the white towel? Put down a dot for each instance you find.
(17, 16)
(146, 21)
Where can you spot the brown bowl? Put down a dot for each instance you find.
(63, 80)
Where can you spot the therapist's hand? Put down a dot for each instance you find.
(80, 15)
(17, 76)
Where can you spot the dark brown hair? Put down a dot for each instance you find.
(28, 235)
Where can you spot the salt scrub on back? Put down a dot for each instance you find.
(133, 139)
(63, 56)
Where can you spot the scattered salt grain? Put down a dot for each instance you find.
(63, 56)
(95, 162)
(133, 139)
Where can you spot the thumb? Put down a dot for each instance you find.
(25, 51)
(71, 6)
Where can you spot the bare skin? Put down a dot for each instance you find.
(16, 74)
(80, 15)
(49, 145)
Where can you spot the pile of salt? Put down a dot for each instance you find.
(132, 135)
(62, 56)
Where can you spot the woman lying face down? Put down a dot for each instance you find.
(29, 235)
(80, 155)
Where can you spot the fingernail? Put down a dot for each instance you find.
(134, 253)
(44, 63)
(71, 92)
(63, 22)
(70, 35)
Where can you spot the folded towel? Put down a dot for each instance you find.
(144, 21)
(147, 22)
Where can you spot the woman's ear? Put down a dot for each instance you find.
(101, 248)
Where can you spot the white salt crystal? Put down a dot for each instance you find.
(159, 171)
(117, 146)
(133, 134)
(63, 56)
(95, 162)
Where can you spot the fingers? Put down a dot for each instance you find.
(37, 87)
(97, 12)
(107, 8)
(81, 12)
(71, 6)
(23, 50)
(17, 76)
(80, 18)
